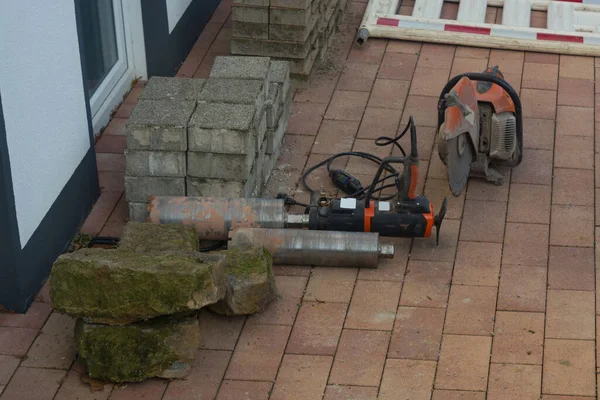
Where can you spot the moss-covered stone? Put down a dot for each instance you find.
(249, 279)
(163, 347)
(118, 287)
(144, 237)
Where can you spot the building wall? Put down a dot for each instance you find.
(171, 27)
(48, 171)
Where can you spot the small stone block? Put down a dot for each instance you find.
(117, 287)
(290, 16)
(249, 30)
(256, 15)
(202, 187)
(233, 91)
(275, 136)
(272, 105)
(138, 212)
(162, 347)
(220, 166)
(292, 33)
(271, 48)
(172, 88)
(259, 3)
(139, 188)
(249, 279)
(154, 163)
(298, 4)
(148, 238)
(280, 74)
(159, 125)
(240, 67)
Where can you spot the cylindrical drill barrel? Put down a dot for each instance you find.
(319, 248)
(213, 218)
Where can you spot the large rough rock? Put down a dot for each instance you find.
(118, 287)
(143, 237)
(163, 347)
(249, 279)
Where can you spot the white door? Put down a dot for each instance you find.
(111, 36)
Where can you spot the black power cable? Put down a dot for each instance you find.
(351, 185)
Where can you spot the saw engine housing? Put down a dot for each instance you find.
(487, 110)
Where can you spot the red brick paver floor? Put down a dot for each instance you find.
(505, 308)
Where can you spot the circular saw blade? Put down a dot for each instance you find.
(459, 157)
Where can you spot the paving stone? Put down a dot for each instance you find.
(538, 103)
(572, 226)
(481, 189)
(515, 382)
(464, 363)
(535, 169)
(335, 137)
(172, 88)
(389, 93)
(337, 392)
(347, 105)
(571, 268)
(457, 395)
(461, 65)
(407, 379)
(540, 134)
(570, 314)
(477, 264)
(423, 109)
(575, 92)
(525, 244)
(428, 81)
(331, 285)
(522, 289)
(258, 352)
(358, 77)
(16, 341)
(155, 163)
(8, 365)
(437, 189)
(426, 284)
(540, 76)
(417, 333)
(576, 67)
(282, 310)
(529, 203)
(435, 55)
(34, 318)
(566, 147)
(234, 390)
(483, 221)
(575, 121)
(54, 346)
(150, 389)
(541, 58)
(159, 125)
(306, 118)
(302, 377)
(34, 384)
(390, 269)
(204, 380)
(373, 305)
(241, 67)
(518, 338)
(471, 310)
(397, 66)
(73, 387)
(219, 332)
(317, 329)
(360, 358)
(427, 248)
(569, 367)
(139, 188)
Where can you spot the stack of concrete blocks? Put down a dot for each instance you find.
(299, 31)
(157, 141)
(220, 137)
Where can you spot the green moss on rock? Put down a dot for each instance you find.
(249, 280)
(144, 237)
(163, 347)
(117, 287)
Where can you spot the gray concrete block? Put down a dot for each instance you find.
(172, 88)
(241, 67)
(202, 187)
(138, 212)
(154, 163)
(289, 16)
(280, 73)
(220, 166)
(304, 66)
(271, 48)
(257, 15)
(272, 105)
(271, 161)
(263, 3)
(291, 33)
(159, 125)
(139, 188)
(234, 91)
(298, 4)
(249, 30)
(275, 135)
